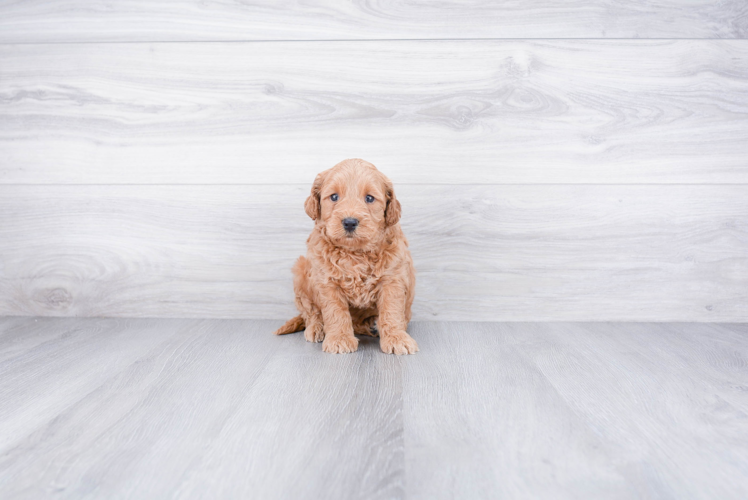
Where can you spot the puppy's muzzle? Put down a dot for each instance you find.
(350, 224)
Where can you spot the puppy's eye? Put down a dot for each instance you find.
(334, 197)
(369, 198)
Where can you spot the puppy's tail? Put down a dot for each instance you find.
(292, 325)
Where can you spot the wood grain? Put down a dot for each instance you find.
(549, 410)
(319, 426)
(678, 439)
(190, 20)
(157, 408)
(221, 396)
(483, 422)
(153, 410)
(444, 112)
(53, 366)
(625, 253)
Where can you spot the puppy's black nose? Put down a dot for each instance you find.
(350, 224)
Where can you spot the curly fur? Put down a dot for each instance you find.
(354, 283)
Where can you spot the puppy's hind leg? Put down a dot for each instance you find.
(304, 303)
(365, 322)
(295, 324)
(367, 327)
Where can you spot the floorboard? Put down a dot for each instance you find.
(482, 421)
(674, 434)
(189, 20)
(189, 408)
(489, 253)
(438, 112)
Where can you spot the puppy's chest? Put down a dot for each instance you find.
(358, 281)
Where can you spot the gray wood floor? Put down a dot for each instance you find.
(189, 408)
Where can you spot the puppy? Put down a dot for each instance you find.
(357, 276)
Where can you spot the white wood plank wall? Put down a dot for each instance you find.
(32, 21)
(579, 162)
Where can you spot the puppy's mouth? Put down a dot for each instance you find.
(350, 239)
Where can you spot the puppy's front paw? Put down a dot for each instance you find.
(340, 344)
(398, 343)
(314, 333)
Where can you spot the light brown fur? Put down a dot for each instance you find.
(360, 283)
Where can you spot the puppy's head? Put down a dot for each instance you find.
(354, 203)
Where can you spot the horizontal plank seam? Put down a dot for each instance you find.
(418, 321)
(306, 184)
(349, 40)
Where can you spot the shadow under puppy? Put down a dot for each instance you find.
(358, 275)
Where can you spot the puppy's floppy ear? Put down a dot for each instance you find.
(312, 203)
(392, 210)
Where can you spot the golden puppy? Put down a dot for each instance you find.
(357, 276)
